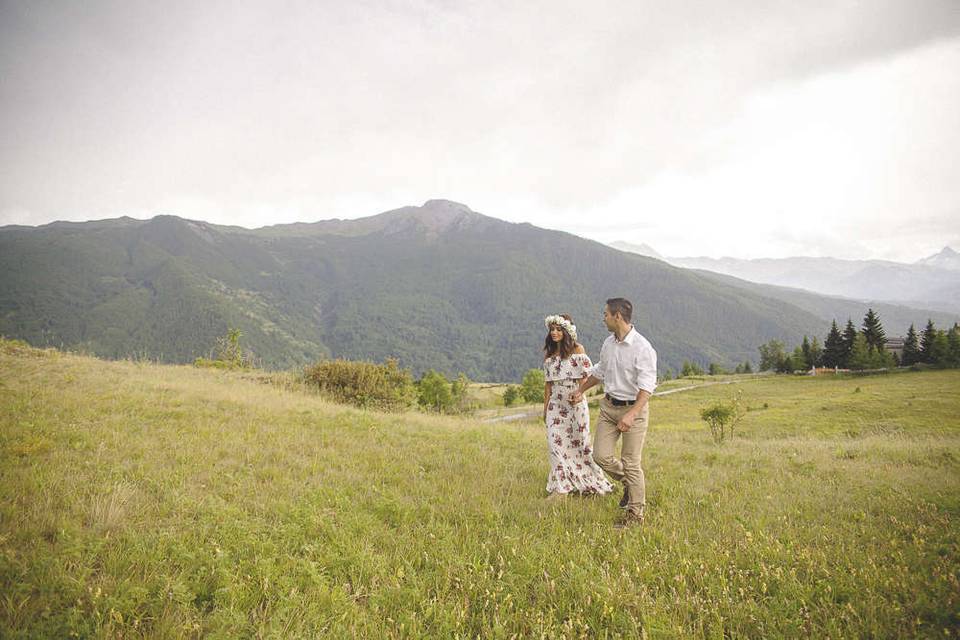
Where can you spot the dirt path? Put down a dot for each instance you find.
(530, 413)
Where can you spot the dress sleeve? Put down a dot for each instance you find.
(585, 364)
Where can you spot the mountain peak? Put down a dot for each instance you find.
(434, 216)
(946, 259)
(439, 204)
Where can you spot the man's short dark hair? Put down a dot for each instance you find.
(621, 306)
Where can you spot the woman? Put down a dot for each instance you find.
(565, 362)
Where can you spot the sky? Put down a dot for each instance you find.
(725, 128)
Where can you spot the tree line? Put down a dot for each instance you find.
(865, 348)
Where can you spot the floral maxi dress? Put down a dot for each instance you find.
(568, 430)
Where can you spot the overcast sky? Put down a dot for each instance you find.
(742, 128)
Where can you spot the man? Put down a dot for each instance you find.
(628, 371)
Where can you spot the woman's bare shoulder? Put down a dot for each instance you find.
(579, 349)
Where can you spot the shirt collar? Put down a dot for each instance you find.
(629, 338)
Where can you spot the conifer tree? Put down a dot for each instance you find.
(816, 352)
(940, 349)
(833, 347)
(860, 354)
(805, 350)
(849, 335)
(911, 348)
(926, 342)
(873, 331)
(953, 342)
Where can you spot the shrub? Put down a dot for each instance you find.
(717, 369)
(690, 369)
(364, 384)
(511, 394)
(723, 417)
(229, 353)
(532, 386)
(434, 392)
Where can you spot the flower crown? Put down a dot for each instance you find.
(562, 322)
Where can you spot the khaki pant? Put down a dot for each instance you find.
(627, 467)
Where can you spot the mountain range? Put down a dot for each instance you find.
(438, 286)
(933, 282)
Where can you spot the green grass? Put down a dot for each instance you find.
(139, 500)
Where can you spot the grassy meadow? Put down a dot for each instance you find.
(139, 500)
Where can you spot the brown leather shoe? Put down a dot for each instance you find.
(628, 519)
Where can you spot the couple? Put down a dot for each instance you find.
(628, 371)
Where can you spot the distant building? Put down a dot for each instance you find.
(895, 346)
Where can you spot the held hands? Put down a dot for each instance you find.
(576, 397)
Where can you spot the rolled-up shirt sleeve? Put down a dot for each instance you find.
(597, 371)
(646, 368)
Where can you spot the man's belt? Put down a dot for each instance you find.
(618, 403)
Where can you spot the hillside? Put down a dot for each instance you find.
(139, 500)
(438, 286)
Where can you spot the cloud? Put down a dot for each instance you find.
(809, 166)
(551, 112)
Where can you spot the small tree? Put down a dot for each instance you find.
(849, 335)
(228, 353)
(796, 362)
(510, 395)
(716, 369)
(860, 355)
(953, 342)
(690, 369)
(816, 353)
(532, 386)
(911, 348)
(873, 331)
(940, 349)
(772, 356)
(926, 342)
(458, 389)
(434, 392)
(833, 350)
(723, 417)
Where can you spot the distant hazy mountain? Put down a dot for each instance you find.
(642, 249)
(946, 259)
(438, 286)
(895, 318)
(933, 282)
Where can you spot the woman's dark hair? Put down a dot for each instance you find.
(566, 347)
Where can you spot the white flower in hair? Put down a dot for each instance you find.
(562, 322)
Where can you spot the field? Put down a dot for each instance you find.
(139, 500)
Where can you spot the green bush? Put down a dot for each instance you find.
(532, 386)
(690, 369)
(511, 394)
(364, 384)
(230, 355)
(434, 392)
(722, 417)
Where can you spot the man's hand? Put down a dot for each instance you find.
(626, 422)
(576, 397)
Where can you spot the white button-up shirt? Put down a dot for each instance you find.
(626, 366)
